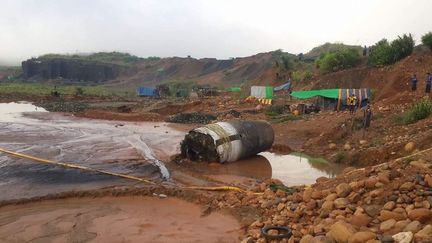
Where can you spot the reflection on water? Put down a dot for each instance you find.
(297, 169)
(128, 149)
(257, 167)
(12, 111)
(293, 169)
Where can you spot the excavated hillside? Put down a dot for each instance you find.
(203, 71)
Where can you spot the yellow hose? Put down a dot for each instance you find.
(85, 168)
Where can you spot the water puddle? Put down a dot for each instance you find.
(293, 169)
(300, 169)
(126, 148)
(13, 111)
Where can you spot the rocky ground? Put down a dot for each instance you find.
(388, 200)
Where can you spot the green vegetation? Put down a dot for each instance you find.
(338, 60)
(385, 53)
(284, 60)
(427, 40)
(329, 47)
(341, 157)
(418, 111)
(46, 89)
(301, 75)
(106, 57)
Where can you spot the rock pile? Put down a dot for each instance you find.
(386, 203)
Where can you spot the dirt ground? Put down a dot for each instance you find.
(120, 219)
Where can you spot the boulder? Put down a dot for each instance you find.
(421, 214)
(414, 226)
(410, 147)
(370, 182)
(428, 180)
(425, 234)
(332, 146)
(386, 225)
(386, 215)
(389, 206)
(347, 146)
(403, 237)
(341, 232)
(361, 237)
(372, 210)
(422, 164)
(343, 190)
(307, 239)
(407, 186)
(360, 220)
(331, 197)
(341, 203)
(327, 205)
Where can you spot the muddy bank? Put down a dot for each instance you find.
(137, 219)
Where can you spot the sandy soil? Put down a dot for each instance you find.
(124, 219)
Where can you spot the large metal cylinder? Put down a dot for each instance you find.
(227, 141)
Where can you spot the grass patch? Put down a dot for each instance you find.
(419, 111)
(341, 157)
(46, 89)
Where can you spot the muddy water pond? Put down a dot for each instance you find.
(128, 148)
(293, 169)
(300, 169)
(131, 148)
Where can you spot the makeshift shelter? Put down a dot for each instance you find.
(335, 98)
(286, 86)
(148, 92)
(262, 92)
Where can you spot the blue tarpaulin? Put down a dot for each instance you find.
(147, 92)
(285, 86)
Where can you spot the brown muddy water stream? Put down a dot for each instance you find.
(133, 148)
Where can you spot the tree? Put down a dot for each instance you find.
(427, 40)
(385, 53)
(338, 60)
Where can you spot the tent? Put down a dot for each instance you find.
(336, 98)
(262, 92)
(148, 92)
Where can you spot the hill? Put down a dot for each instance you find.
(328, 47)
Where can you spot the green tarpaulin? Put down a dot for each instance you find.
(269, 92)
(328, 93)
(234, 89)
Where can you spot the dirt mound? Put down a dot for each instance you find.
(111, 115)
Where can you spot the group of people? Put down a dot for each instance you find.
(428, 82)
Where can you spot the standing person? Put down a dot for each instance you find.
(367, 116)
(353, 103)
(414, 83)
(364, 51)
(428, 83)
(349, 101)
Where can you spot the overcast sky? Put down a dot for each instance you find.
(201, 28)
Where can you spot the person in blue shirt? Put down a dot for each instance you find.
(428, 83)
(414, 83)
